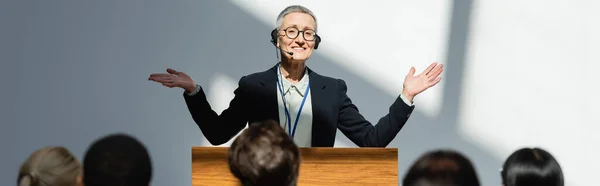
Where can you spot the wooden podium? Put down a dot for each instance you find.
(319, 166)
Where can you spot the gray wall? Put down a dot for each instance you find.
(76, 70)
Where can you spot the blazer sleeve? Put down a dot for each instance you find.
(362, 132)
(219, 129)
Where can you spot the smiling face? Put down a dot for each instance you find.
(301, 25)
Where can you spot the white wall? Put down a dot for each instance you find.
(530, 81)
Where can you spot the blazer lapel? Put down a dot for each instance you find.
(319, 110)
(269, 83)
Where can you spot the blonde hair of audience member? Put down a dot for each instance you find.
(50, 166)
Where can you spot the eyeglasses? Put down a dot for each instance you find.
(293, 32)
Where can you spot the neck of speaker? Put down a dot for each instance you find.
(293, 70)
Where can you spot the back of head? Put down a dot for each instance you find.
(441, 168)
(264, 155)
(117, 160)
(50, 166)
(531, 167)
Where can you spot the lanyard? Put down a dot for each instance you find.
(287, 112)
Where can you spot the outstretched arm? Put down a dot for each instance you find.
(362, 132)
(218, 129)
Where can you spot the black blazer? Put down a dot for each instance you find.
(256, 100)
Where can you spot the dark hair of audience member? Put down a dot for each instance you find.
(531, 167)
(441, 168)
(264, 155)
(119, 160)
(50, 166)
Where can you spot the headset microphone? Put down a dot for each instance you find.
(290, 53)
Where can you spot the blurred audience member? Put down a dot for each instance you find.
(117, 160)
(50, 166)
(264, 155)
(441, 168)
(531, 167)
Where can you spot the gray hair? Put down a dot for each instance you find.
(292, 9)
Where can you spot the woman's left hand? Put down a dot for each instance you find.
(414, 85)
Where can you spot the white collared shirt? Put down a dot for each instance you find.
(293, 95)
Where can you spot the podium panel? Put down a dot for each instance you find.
(319, 166)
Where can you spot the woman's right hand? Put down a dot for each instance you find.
(174, 78)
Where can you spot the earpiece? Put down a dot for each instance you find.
(317, 41)
(503, 176)
(274, 35)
